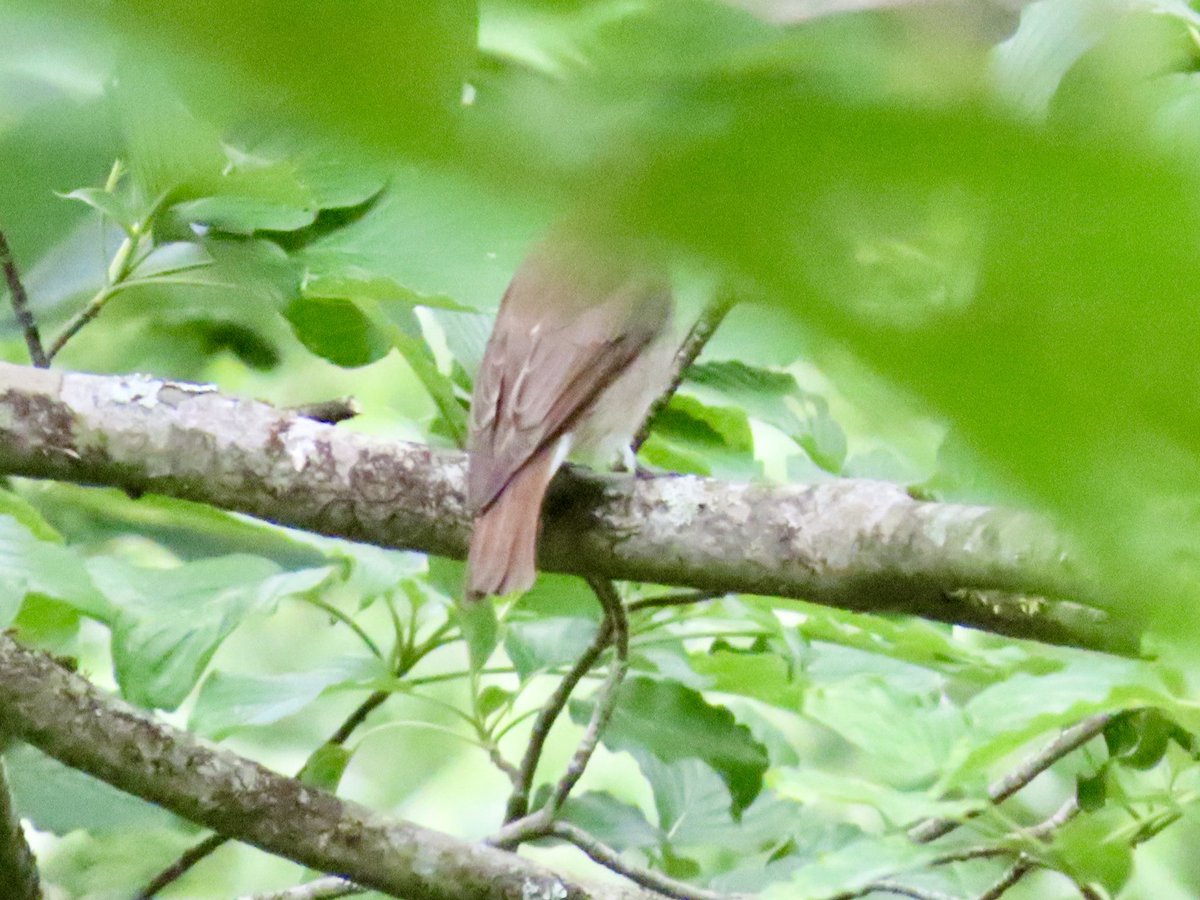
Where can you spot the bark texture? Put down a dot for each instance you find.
(856, 544)
(66, 717)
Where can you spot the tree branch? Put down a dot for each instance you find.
(214, 842)
(1018, 870)
(856, 544)
(66, 717)
(606, 856)
(321, 889)
(699, 335)
(606, 699)
(18, 867)
(20, 305)
(1069, 740)
(518, 802)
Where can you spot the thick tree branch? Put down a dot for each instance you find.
(66, 717)
(860, 545)
(321, 889)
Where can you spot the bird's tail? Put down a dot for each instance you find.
(503, 554)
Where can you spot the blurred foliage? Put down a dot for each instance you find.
(967, 244)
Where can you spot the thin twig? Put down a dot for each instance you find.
(182, 865)
(685, 599)
(611, 859)
(82, 318)
(1070, 739)
(901, 890)
(1045, 829)
(518, 803)
(498, 760)
(1042, 831)
(321, 889)
(699, 335)
(20, 305)
(119, 269)
(1018, 870)
(606, 700)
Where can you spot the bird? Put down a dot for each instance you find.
(580, 349)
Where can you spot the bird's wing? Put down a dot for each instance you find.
(558, 341)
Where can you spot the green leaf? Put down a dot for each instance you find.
(342, 331)
(921, 728)
(694, 809)
(763, 676)
(170, 622)
(441, 389)
(1006, 715)
(1145, 747)
(536, 645)
(324, 769)
(492, 698)
(1091, 792)
(29, 565)
(45, 623)
(480, 629)
(245, 215)
(229, 702)
(28, 516)
(619, 825)
(1092, 850)
(776, 399)
(559, 595)
(316, 64)
(812, 787)
(108, 204)
(59, 799)
(689, 436)
(673, 722)
(441, 238)
(352, 284)
(852, 866)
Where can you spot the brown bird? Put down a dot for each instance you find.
(580, 349)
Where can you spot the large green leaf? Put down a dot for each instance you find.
(619, 825)
(693, 807)
(673, 722)
(535, 645)
(691, 436)
(229, 701)
(169, 622)
(344, 332)
(29, 565)
(386, 73)
(59, 799)
(921, 728)
(776, 398)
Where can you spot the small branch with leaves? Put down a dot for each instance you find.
(1012, 845)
